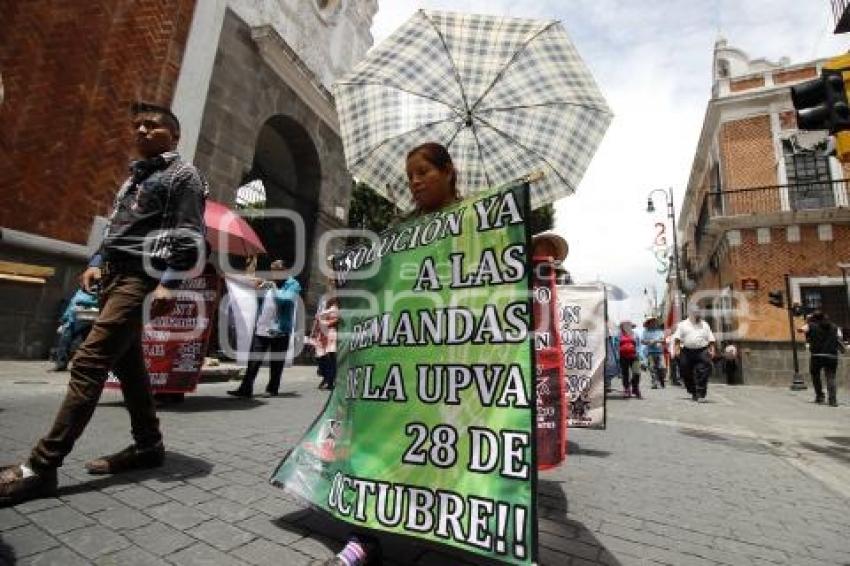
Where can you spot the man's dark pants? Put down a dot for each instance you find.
(829, 365)
(113, 343)
(695, 369)
(277, 346)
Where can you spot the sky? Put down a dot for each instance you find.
(653, 63)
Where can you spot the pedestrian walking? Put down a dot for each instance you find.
(612, 357)
(653, 341)
(154, 238)
(694, 346)
(324, 336)
(272, 330)
(730, 364)
(825, 343)
(629, 362)
(672, 358)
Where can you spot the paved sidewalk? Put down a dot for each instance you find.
(758, 476)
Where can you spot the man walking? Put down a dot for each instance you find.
(154, 236)
(825, 343)
(694, 346)
(653, 340)
(272, 331)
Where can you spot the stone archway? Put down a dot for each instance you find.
(287, 162)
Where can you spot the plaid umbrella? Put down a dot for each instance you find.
(508, 97)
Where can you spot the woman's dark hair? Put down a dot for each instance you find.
(437, 155)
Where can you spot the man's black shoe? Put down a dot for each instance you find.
(240, 394)
(15, 488)
(819, 399)
(131, 458)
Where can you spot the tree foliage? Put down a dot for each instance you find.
(369, 210)
(542, 219)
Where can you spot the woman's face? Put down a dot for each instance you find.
(430, 186)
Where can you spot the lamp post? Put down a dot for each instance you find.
(671, 214)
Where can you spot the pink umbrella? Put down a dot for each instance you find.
(228, 232)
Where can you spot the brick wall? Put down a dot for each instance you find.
(70, 71)
(746, 84)
(747, 153)
(795, 75)
(768, 263)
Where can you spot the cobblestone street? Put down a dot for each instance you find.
(757, 476)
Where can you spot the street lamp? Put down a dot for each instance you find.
(671, 214)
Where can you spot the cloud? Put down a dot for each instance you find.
(653, 62)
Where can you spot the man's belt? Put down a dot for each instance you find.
(125, 267)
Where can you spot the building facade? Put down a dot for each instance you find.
(763, 200)
(249, 80)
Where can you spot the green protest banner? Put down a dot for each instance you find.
(429, 432)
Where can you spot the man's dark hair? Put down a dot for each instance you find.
(169, 119)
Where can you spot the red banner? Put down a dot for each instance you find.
(175, 343)
(551, 399)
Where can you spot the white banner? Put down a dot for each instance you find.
(581, 322)
(243, 310)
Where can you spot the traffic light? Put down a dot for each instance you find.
(776, 298)
(822, 103)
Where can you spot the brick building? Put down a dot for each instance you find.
(763, 200)
(249, 80)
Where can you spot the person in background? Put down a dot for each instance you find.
(73, 328)
(672, 360)
(629, 360)
(324, 336)
(730, 363)
(653, 341)
(612, 356)
(272, 330)
(694, 345)
(825, 343)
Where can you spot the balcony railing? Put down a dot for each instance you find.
(781, 198)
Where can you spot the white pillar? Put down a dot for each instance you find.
(190, 96)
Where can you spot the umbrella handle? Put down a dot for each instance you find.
(534, 176)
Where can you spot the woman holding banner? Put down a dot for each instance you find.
(432, 180)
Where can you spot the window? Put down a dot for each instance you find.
(326, 5)
(723, 69)
(808, 177)
(716, 189)
(328, 10)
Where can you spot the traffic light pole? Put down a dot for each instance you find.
(797, 384)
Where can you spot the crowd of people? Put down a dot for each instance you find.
(689, 354)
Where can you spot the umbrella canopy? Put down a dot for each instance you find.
(508, 97)
(228, 232)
